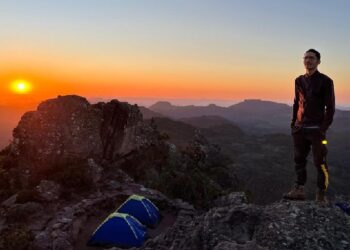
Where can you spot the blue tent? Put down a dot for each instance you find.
(344, 206)
(120, 230)
(142, 209)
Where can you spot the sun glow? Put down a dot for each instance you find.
(21, 86)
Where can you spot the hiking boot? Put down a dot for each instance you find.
(296, 193)
(321, 197)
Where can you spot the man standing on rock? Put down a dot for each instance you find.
(313, 111)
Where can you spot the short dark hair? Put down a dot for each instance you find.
(318, 55)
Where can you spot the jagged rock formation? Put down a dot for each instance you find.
(71, 162)
(73, 143)
(68, 127)
(68, 224)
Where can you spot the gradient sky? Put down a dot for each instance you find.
(213, 50)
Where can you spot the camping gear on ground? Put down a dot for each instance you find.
(142, 209)
(120, 230)
(344, 206)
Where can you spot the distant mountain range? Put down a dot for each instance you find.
(346, 108)
(253, 116)
(255, 135)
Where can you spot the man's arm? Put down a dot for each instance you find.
(329, 101)
(295, 104)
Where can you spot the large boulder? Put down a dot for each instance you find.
(64, 127)
(69, 127)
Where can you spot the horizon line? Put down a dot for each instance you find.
(206, 101)
(176, 101)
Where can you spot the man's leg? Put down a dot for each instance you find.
(319, 151)
(301, 151)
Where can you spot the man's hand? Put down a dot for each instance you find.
(292, 124)
(323, 133)
(293, 128)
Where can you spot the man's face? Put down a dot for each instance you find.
(311, 61)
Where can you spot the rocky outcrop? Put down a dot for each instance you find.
(69, 127)
(69, 224)
(123, 130)
(60, 128)
(235, 224)
(231, 224)
(72, 143)
(48, 190)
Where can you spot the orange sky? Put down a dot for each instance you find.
(169, 49)
(141, 83)
(138, 82)
(138, 76)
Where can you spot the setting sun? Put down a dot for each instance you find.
(21, 86)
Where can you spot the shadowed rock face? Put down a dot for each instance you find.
(234, 224)
(60, 128)
(122, 129)
(69, 127)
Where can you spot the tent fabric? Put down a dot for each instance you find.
(344, 206)
(120, 230)
(142, 209)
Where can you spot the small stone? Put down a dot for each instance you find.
(42, 241)
(54, 234)
(56, 226)
(65, 220)
(293, 215)
(10, 201)
(289, 239)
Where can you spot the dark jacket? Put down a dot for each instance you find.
(314, 101)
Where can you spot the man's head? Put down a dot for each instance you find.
(312, 58)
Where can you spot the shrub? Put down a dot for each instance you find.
(4, 180)
(182, 178)
(73, 174)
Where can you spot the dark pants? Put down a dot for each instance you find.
(304, 139)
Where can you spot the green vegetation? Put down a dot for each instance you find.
(193, 175)
(72, 174)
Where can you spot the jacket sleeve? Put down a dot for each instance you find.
(329, 101)
(295, 104)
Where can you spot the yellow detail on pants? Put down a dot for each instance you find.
(323, 167)
(324, 142)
